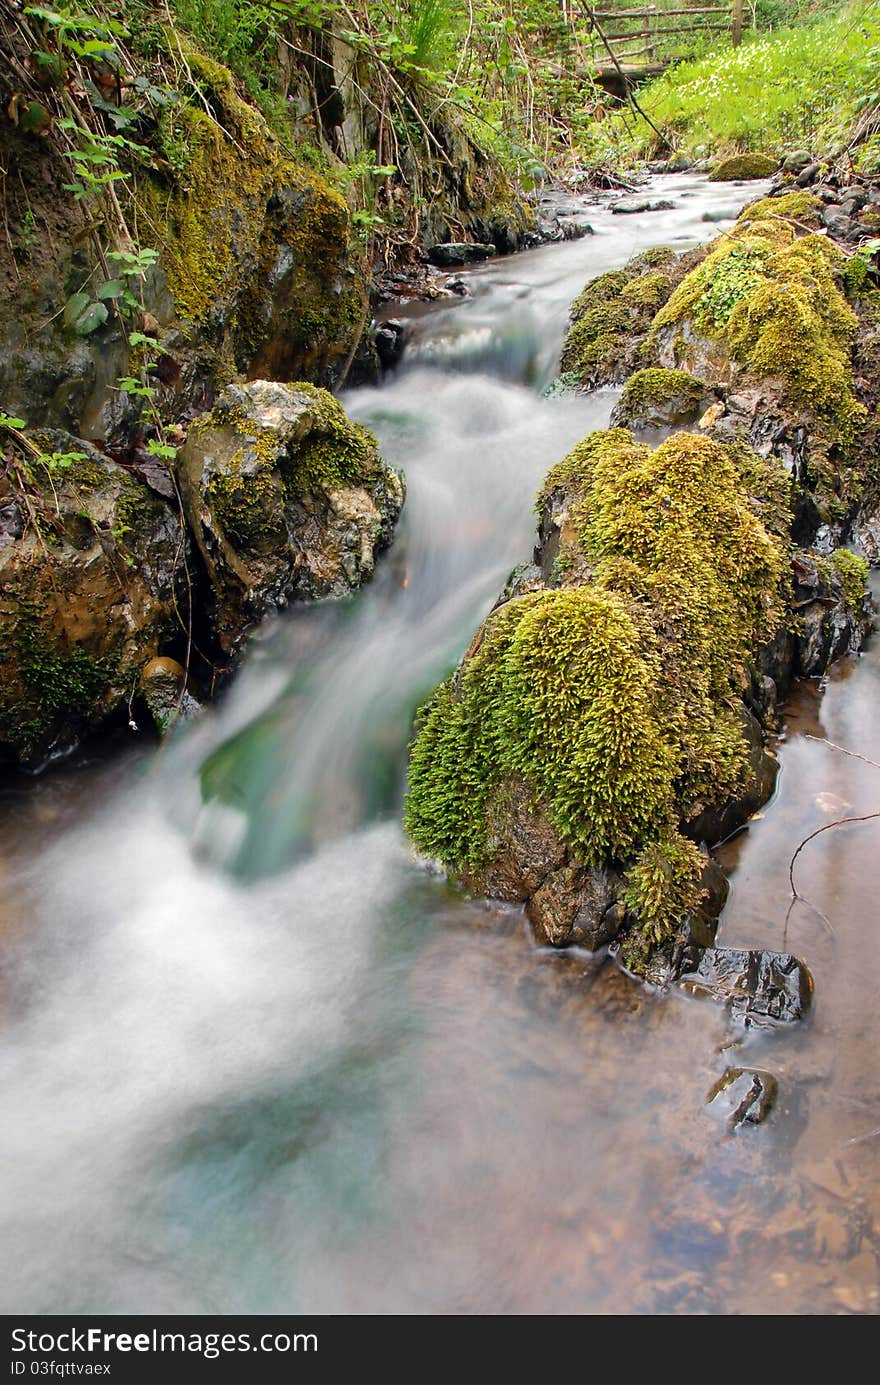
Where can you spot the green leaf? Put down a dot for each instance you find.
(111, 288)
(84, 314)
(8, 421)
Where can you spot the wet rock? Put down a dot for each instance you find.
(717, 821)
(831, 621)
(630, 206)
(797, 161)
(449, 254)
(163, 687)
(825, 193)
(389, 338)
(286, 497)
(577, 906)
(90, 587)
(808, 174)
(759, 987)
(524, 846)
(658, 400)
(743, 1095)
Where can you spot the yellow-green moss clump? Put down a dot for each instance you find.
(853, 573)
(801, 207)
(618, 700)
(743, 168)
(258, 252)
(612, 311)
(657, 386)
(773, 296)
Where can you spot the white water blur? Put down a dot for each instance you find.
(177, 1040)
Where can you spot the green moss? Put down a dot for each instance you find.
(337, 451)
(853, 573)
(657, 385)
(599, 291)
(209, 221)
(559, 692)
(650, 290)
(801, 207)
(664, 885)
(229, 205)
(615, 700)
(248, 508)
(743, 167)
(614, 311)
(52, 682)
(773, 295)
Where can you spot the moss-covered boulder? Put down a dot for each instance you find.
(764, 319)
(658, 399)
(742, 168)
(596, 712)
(92, 585)
(286, 497)
(612, 316)
(607, 717)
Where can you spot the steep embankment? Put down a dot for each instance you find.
(165, 238)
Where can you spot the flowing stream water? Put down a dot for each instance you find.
(254, 1058)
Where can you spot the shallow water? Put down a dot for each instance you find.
(254, 1059)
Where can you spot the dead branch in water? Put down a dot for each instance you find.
(838, 822)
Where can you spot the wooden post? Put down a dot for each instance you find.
(737, 23)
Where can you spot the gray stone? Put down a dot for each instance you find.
(797, 161)
(807, 175)
(450, 254)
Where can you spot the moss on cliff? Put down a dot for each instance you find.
(617, 699)
(258, 251)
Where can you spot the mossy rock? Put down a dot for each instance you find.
(611, 317)
(743, 168)
(658, 398)
(765, 316)
(91, 588)
(611, 693)
(286, 496)
(258, 253)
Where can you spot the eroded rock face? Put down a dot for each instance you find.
(286, 498)
(91, 574)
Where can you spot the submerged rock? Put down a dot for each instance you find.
(630, 206)
(759, 987)
(286, 497)
(743, 1095)
(92, 577)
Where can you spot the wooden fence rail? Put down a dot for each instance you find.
(651, 35)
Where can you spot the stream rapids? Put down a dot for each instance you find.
(254, 1059)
